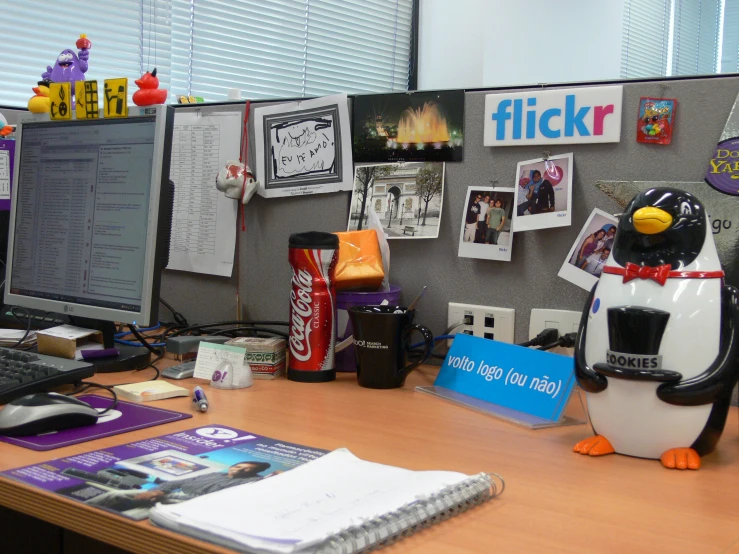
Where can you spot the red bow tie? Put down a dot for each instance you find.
(660, 273)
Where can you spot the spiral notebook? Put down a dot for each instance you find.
(337, 503)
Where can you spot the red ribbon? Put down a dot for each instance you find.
(244, 158)
(659, 274)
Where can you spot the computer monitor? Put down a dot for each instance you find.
(90, 215)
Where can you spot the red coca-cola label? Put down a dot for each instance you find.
(312, 332)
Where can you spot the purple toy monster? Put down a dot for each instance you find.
(68, 67)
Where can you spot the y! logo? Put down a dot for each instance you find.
(556, 116)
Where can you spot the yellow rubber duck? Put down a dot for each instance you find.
(40, 103)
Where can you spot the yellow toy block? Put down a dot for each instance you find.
(116, 98)
(61, 100)
(86, 97)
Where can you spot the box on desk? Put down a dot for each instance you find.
(64, 341)
(266, 356)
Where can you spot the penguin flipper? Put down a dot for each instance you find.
(721, 375)
(587, 378)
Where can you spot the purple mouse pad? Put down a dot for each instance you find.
(126, 416)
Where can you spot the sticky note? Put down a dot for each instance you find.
(116, 98)
(61, 100)
(86, 99)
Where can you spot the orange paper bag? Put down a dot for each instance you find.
(360, 260)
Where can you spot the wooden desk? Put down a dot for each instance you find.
(554, 501)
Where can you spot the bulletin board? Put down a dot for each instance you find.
(530, 279)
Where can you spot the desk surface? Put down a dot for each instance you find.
(555, 500)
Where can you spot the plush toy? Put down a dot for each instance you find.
(70, 67)
(149, 92)
(659, 339)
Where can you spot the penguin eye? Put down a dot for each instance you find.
(685, 209)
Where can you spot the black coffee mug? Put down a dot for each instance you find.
(382, 338)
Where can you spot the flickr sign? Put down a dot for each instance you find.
(562, 116)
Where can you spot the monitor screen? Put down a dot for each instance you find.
(84, 219)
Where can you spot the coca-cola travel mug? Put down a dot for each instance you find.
(312, 306)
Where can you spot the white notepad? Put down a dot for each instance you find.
(337, 502)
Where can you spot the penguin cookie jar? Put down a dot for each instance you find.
(658, 345)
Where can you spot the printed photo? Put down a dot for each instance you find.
(407, 198)
(486, 224)
(543, 193)
(423, 126)
(591, 250)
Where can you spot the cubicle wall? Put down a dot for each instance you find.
(530, 279)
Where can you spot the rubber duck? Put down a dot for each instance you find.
(40, 102)
(149, 92)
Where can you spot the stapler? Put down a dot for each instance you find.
(185, 348)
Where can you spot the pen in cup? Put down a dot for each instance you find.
(198, 396)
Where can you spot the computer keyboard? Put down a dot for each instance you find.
(23, 373)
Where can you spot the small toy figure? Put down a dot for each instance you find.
(237, 181)
(149, 92)
(70, 67)
(659, 336)
(40, 102)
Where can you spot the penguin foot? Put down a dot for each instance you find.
(681, 458)
(594, 446)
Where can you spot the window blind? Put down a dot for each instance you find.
(695, 37)
(36, 31)
(644, 48)
(289, 48)
(730, 45)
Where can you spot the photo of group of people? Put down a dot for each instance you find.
(591, 250)
(486, 225)
(543, 193)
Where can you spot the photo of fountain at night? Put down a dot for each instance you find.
(423, 126)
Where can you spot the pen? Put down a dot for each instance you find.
(198, 396)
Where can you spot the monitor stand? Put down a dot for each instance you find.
(129, 357)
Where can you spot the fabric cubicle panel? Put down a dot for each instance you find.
(200, 298)
(530, 279)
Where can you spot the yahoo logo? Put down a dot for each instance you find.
(564, 116)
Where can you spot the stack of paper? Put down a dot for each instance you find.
(10, 337)
(336, 503)
(266, 356)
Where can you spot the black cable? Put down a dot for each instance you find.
(233, 322)
(178, 317)
(154, 367)
(143, 341)
(547, 336)
(89, 385)
(28, 327)
(257, 329)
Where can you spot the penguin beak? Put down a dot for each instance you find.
(650, 220)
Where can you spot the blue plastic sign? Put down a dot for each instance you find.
(561, 116)
(523, 379)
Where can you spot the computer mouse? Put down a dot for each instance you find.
(43, 412)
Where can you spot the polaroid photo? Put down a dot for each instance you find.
(407, 198)
(486, 224)
(543, 193)
(591, 251)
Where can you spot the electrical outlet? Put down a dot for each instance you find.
(565, 321)
(483, 321)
